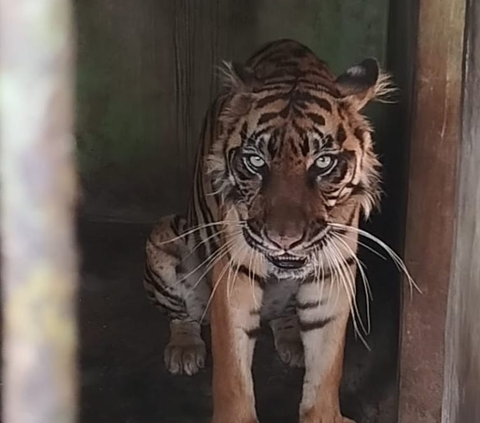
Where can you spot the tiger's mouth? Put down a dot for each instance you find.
(283, 262)
(287, 261)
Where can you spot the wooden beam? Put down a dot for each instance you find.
(37, 196)
(435, 131)
(462, 369)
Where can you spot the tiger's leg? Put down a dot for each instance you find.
(235, 322)
(167, 288)
(288, 342)
(323, 326)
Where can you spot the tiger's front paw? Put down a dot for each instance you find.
(186, 357)
(186, 351)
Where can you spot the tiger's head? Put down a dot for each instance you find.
(294, 153)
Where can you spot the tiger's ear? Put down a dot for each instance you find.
(238, 78)
(239, 81)
(364, 82)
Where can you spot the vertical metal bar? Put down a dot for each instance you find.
(37, 200)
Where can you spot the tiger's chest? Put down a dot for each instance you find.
(279, 298)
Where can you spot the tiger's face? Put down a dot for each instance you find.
(297, 158)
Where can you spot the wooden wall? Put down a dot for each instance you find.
(146, 73)
(462, 336)
(431, 182)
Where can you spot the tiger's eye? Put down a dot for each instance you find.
(256, 161)
(324, 162)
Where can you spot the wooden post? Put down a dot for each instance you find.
(462, 369)
(434, 140)
(37, 198)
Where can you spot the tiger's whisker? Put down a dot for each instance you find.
(224, 269)
(366, 285)
(216, 256)
(199, 228)
(214, 289)
(351, 287)
(244, 251)
(339, 266)
(393, 255)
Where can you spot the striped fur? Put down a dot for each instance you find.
(284, 152)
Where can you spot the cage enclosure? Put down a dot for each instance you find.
(147, 71)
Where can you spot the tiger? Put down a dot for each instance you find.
(285, 173)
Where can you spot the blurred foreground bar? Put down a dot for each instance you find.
(37, 205)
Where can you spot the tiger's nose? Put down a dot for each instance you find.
(286, 238)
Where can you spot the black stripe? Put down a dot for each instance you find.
(359, 135)
(358, 189)
(170, 308)
(356, 169)
(293, 74)
(165, 303)
(272, 147)
(193, 207)
(327, 273)
(349, 261)
(350, 218)
(156, 281)
(272, 98)
(286, 111)
(320, 135)
(259, 132)
(263, 55)
(324, 275)
(318, 119)
(339, 173)
(258, 279)
(169, 249)
(314, 325)
(266, 117)
(203, 209)
(203, 247)
(331, 197)
(317, 87)
(305, 145)
(341, 134)
(321, 102)
(299, 130)
(308, 305)
(286, 62)
(253, 332)
(271, 87)
(284, 79)
(327, 141)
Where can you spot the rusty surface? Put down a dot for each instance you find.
(434, 143)
(37, 197)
